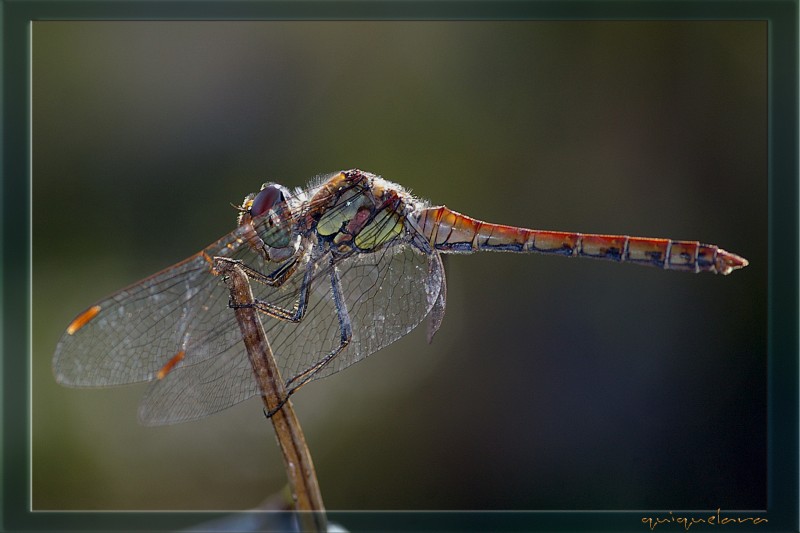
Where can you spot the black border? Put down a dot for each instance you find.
(782, 18)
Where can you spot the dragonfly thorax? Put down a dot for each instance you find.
(357, 212)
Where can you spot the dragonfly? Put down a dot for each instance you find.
(338, 270)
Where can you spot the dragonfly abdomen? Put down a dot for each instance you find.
(449, 231)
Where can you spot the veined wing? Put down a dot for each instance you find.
(387, 293)
(175, 328)
(175, 317)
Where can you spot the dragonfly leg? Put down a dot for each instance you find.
(346, 334)
(276, 278)
(268, 414)
(299, 311)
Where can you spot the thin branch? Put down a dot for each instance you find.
(296, 456)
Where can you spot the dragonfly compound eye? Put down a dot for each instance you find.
(266, 200)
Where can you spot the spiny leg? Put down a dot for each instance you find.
(275, 279)
(279, 276)
(346, 334)
(296, 315)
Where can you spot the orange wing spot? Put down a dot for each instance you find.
(83, 319)
(164, 370)
(208, 259)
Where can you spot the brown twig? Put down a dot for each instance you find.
(296, 457)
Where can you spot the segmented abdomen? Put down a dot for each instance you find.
(449, 231)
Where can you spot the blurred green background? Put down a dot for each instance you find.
(553, 383)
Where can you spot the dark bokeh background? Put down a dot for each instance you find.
(553, 383)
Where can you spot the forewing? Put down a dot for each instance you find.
(176, 328)
(387, 294)
(197, 390)
(180, 315)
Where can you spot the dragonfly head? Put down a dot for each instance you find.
(268, 215)
(270, 196)
(258, 203)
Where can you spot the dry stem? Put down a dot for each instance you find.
(296, 456)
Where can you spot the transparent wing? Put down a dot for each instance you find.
(387, 294)
(174, 318)
(194, 391)
(129, 336)
(176, 329)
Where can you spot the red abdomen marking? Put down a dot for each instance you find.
(449, 231)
